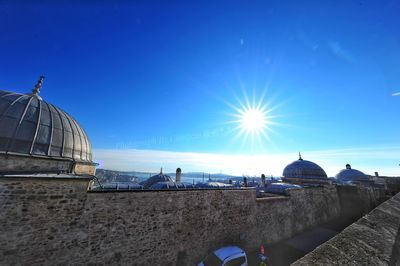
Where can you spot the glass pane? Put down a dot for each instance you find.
(26, 131)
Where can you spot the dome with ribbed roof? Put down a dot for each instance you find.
(31, 127)
(161, 177)
(351, 175)
(304, 169)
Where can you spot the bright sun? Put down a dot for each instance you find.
(252, 120)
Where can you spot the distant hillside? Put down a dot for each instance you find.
(115, 176)
(105, 175)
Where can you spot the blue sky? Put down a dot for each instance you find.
(162, 81)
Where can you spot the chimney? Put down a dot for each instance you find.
(178, 175)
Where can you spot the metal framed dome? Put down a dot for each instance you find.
(31, 127)
(304, 169)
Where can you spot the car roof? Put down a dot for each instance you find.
(228, 251)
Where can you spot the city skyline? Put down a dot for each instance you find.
(332, 161)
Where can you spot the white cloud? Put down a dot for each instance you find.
(396, 94)
(384, 159)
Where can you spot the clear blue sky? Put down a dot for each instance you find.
(164, 77)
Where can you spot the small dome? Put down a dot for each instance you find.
(33, 128)
(304, 169)
(350, 175)
(280, 188)
(213, 184)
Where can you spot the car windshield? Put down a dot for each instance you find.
(212, 260)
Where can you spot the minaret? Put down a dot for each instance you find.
(178, 175)
(263, 180)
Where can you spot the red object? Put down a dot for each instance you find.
(262, 249)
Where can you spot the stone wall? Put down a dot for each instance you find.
(54, 221)
(356, 201)
(32, 164)
(372, 240)
(181, 227)
(42, 221)
(392, 184)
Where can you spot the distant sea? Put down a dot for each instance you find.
(189, 177)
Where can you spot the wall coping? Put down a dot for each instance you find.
(269, 199)
(169, 190)
(46, 176)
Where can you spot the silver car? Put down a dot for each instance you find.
(226, 256)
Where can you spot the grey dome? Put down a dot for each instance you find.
(304, 169)
(31, 126)
(349, 175)
(156, 179)
(38, 138)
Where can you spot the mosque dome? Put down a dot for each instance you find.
(304, 169)
(156, 179)
(36, 136)
(350, 175)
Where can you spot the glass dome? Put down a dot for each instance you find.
(31, 127)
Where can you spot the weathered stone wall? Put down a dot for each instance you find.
(53, 221)
(356, 201)
(32, 164)
(392, 184)
(42, 221)
(303, 209)
(372, 240)
(395, 257)
(180, 227)
(84, 169)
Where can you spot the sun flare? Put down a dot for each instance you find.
(252, 120)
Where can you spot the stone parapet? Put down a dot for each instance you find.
(56, 221)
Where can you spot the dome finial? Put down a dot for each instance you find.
(38, 86)
(301, 159)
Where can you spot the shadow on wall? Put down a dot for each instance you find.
(372, 240)
(356, 201)
(395, 258)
